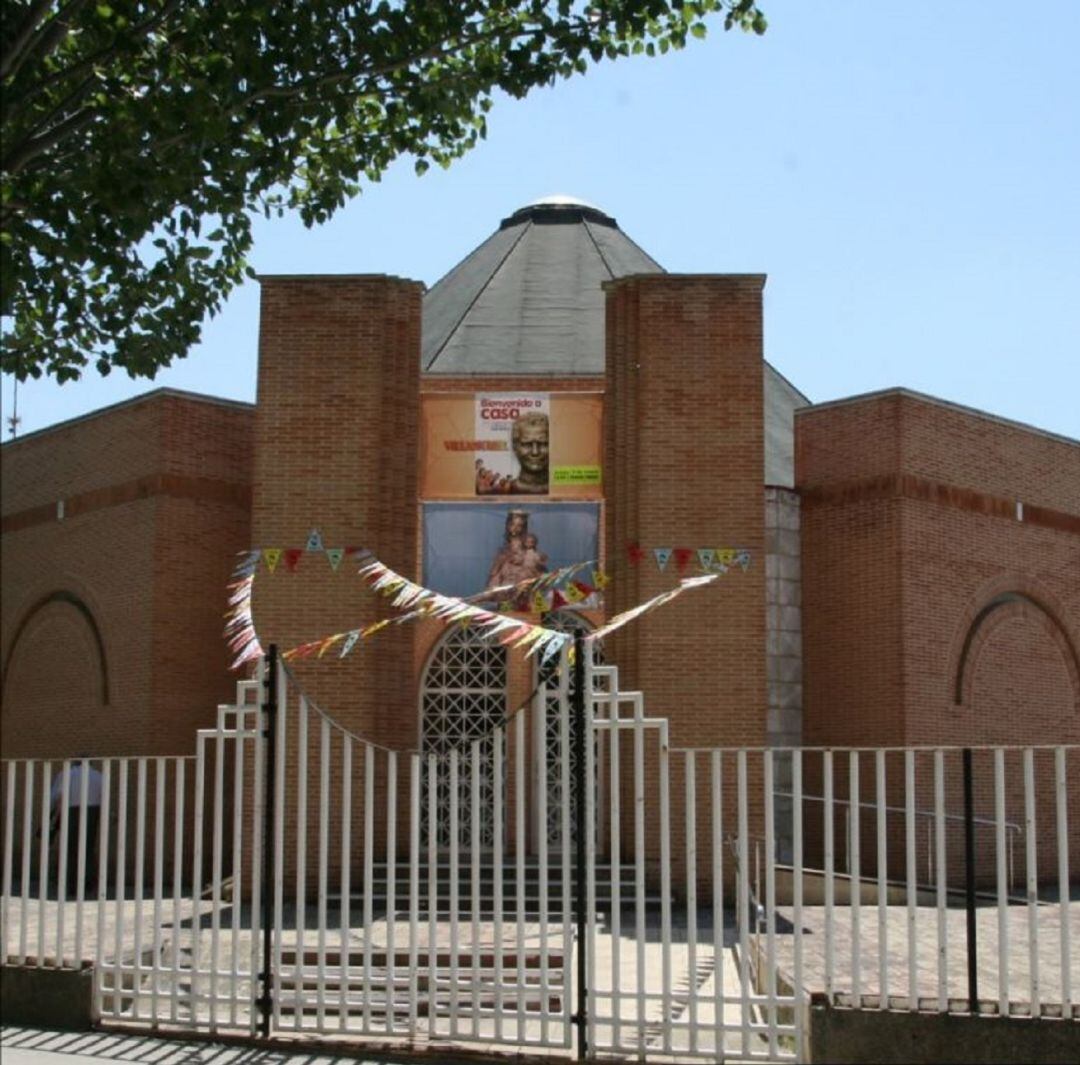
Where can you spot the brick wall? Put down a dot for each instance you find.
(112, 612)
(933, 613)
(683, 461)
(337, 449)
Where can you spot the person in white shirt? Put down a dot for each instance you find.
(75, 814)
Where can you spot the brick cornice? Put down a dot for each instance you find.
(909, 486)
(171, 485)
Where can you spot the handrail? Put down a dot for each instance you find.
(1012, 827)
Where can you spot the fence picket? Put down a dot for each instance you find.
(719, 988)
(1032, 870)
(391, 889)
(497, 877)
(24, 873)
(1062, 821)
(62, 860)
(690, 784)
(323, 871)
(178, 883)
(1002, 884)
(9, 843)
(344, 946)
(369, 874)
(102, 885)
(159, 877)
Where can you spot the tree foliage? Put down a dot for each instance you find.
(140, 137)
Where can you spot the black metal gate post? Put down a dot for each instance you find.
(269, 707)
(580, 899)
(969, 884)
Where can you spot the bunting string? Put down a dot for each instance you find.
(240, 635)
(542, 593)
(709, 559)
(617, 622)
(547, 592)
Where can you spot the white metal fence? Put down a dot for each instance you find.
(722, 888)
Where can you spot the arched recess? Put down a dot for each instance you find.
(68, 598)
(463, 697)
(994, 610)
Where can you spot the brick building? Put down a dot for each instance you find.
(915, 565)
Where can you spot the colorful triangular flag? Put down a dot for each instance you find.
(292, 557)
(551, 648)
(573, 593)
(350, 642)
(271, 556)
(557, 599)
(662, 556)
(539, 603)
(706, 557)
(601, 580)
(314, 541)
(682, 557)
(249, 560)
(335, 555)
(635, 552)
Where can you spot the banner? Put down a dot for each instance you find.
(511, 444)
(470, 547)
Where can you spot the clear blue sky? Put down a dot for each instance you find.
(908, 175)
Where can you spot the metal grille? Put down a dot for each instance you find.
(463, 699)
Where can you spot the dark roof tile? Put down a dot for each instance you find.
(528, 301)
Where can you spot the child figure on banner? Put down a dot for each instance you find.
(534, 561)
(519, 559)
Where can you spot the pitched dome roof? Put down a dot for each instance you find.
(529, 299)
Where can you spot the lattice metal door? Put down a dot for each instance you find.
(463, 699)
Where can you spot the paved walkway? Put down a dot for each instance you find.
(708, 1003)
(1030, 975)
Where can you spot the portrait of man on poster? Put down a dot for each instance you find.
(530, 442)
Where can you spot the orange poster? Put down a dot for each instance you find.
(498, 445)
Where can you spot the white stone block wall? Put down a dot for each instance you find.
(783, 648)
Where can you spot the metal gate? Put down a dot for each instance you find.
(318, 902)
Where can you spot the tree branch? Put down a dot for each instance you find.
(142, 29)
(15, 49)
(35, 146)
(63, 107)
(46, 37)
(436, 51)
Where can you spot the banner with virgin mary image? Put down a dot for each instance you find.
(472, 546)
